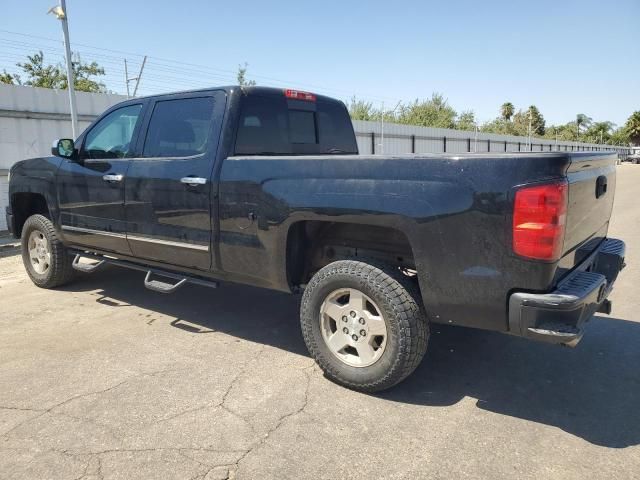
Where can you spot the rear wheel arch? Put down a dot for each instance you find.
(313, 244)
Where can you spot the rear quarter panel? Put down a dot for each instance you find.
(455, 211)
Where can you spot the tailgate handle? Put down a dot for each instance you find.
(601, 186)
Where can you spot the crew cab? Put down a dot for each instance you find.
(265, 187)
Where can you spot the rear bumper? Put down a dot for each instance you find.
(559, 317)
(8, 215)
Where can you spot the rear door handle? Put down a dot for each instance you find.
(113, 177)
(193, 181)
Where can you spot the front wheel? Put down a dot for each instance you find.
(44, 256)
(363, 324)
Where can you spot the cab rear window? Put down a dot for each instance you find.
(274, 125)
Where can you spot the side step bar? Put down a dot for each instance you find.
(152, 284)
(86, 267)
(162, 287)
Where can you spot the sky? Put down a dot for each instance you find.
(564, 56)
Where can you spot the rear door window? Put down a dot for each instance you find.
(264, 126)
(273, 125)
(179, 127)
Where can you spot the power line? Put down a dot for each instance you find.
(186, 70)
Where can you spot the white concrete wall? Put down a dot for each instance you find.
(32, 118)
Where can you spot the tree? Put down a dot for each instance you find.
(537, 121)
(44, 75)
(39, 74)
(599, 132)
(582, 119)
(619, 137)
(506, 111)
(522, 118)
(466, 121)
(565, 132)
(10, 78)
(83, 73)
(499, 126)
(632, 128)
(435, 112)
(361, 109)
(242, 76)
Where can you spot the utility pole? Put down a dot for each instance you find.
(126, 77)
(60, 12)
(135, 89)
(137, 79)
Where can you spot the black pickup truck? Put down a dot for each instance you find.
(265, 187)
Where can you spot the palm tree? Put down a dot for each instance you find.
(506, 111)
(582, 119)
(632, 128)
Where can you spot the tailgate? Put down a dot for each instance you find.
(592, 182)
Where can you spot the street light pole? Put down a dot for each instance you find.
(61, 13)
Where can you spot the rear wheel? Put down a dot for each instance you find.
(363, 324)
(45, 258)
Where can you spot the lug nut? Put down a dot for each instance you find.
(353, 314)
(344, 318)
(345, 330)
(361, 321)
(355, 337)
(363, 333)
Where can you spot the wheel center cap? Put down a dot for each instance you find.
(356, 327)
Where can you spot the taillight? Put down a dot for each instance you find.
(539, 219)
(299, 95)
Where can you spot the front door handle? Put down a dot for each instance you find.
(193, 181)
(113, 177)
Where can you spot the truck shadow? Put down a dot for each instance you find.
(591, 392)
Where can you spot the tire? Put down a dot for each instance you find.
(333, 292)
(52, 265)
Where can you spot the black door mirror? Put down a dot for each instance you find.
(63, 148)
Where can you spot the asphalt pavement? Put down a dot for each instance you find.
(104, 379)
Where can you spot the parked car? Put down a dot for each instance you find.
(634, 157)
(265, 187)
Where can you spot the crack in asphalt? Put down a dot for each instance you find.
(51, 409)
(232, 467)
(279, 423)
(221, 404)
(180, 451)
(22, 409)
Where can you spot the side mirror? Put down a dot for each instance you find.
(63, 148)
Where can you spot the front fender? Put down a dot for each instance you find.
(36, 176)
